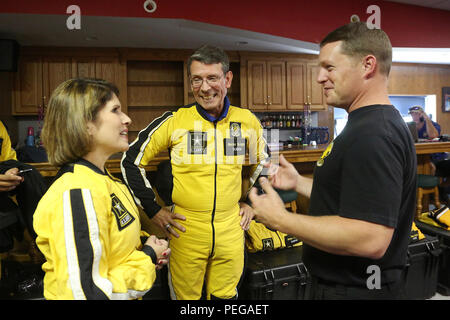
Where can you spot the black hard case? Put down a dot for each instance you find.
(160, 288)
(275, 275)
(422, 268)
(443, 286)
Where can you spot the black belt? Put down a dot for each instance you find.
(321, 288)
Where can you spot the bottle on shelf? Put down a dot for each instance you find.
(30, 137)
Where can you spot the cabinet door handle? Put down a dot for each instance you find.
(268, 99)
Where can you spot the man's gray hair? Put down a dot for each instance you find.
(208, 54)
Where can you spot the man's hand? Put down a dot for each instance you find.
(165, 220)
(284, 176)
(268, 207)
(247, 214)
(10, 180)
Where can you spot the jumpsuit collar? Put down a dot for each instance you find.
(90, 165)
(207, 116)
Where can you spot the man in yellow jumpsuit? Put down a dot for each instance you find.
(208, 141)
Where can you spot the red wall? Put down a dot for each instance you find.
(406, 25)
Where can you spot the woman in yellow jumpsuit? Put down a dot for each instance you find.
(87, 223)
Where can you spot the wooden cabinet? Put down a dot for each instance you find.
(302, 86)
(39, 75)
(266, 84)
(83, 67)
(282, 84)
(27, 90)
(314, 89)
(153, 88)
(55, 70)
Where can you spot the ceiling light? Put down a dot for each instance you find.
(421, 55)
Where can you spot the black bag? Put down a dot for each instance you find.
(422, 268)
(275, 275)
(28, 193)
(10, 225)
(160, 289)
(443, 235)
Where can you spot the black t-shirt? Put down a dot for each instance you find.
(368, 173)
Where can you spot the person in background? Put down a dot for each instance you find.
(207, 142)
(87, 223)
(362, 198)
(9, 179)
(426, 128)
(440, 165)
(20, 192)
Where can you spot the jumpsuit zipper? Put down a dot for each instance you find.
(215, 191)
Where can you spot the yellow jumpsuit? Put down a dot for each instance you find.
(89, 232)
(6, 152)
(207, 157)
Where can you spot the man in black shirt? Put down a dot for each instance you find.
(363, 193)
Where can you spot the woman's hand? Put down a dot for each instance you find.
(162, 250)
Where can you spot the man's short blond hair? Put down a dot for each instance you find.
(358, 41)
(72, 105)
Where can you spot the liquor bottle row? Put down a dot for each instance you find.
(281, 121)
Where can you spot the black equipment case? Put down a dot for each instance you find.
(422, 268)
(160, 288)
(443, 286)
(275, 275)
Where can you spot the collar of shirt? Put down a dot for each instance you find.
(207, 116)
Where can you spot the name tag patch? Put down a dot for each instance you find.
(235, 145)
(123, 217)
(197, 142)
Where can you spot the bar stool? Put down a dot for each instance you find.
(427, 184)
(289, 198)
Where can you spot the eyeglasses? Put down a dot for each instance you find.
(210, 80)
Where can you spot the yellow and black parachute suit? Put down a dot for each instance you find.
(89, 232)
(6, 151)
(206, 155)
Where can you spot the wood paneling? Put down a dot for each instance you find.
(422, 79)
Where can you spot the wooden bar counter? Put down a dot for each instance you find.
(424, 151)
(303, 157)
(295, 154)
